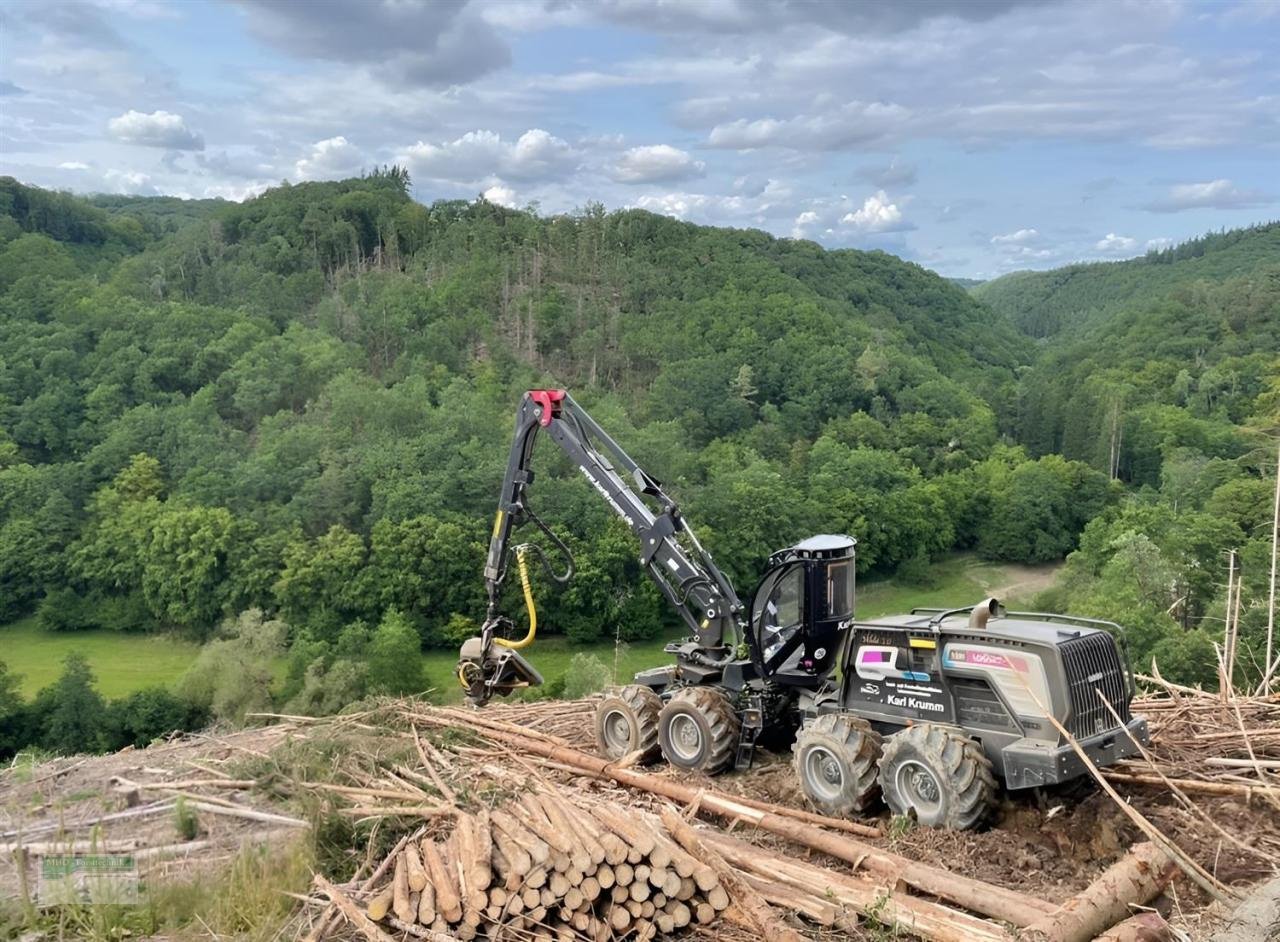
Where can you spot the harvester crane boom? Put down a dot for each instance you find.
(669, 550)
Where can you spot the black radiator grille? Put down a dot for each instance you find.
(1093, 664)
(978, 706)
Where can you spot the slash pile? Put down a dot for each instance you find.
(552, 869)
(1204, 743)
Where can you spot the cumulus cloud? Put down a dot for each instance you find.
(763, 206)
(157, 129)
(430, 43)
(1018, 237)
(73, 165)
(330, 159)
(1022, 246)
(803, 222)
(1112, 244)
(535, 155)
(1215, 194)
(878, 214)
(656, 163)
(502, 195)
(131, 182)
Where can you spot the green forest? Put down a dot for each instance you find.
(277, 429)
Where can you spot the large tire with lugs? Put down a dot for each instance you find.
(836, 759)
(627, 722)
(698, 729)
(939, 776)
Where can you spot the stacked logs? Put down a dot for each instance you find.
(543, 868)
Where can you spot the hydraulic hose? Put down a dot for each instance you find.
(528, 604)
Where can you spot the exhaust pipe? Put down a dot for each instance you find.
(983, 611)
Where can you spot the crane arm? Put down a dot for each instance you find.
(670, 552)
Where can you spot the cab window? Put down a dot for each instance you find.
(786, 602)
(839, 589)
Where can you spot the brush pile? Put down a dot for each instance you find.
(546, 868)
(1203, 743)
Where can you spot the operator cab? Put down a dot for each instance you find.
(801, 608)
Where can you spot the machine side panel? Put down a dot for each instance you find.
(894, 677)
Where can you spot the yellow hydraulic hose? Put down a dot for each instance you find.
(528, 604)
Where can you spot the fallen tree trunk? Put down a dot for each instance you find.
(763, 919)
(1189, 785)
(899, 912)
(1144, 927)
(809, 817)
(1134, 880)
(975, 895)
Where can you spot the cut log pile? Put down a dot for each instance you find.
(545, 867)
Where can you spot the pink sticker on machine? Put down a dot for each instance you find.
(977, 657)
(1020, 677)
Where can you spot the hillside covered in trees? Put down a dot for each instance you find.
(279, 427)
(1046, 303)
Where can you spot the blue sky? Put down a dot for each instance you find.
(976, 137)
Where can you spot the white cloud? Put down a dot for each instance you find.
(877, 214)
(1214, 194)
(1021, 247)
(477, 155)
(330, 159)
(1113, 244)
(803, 221)
(73, 165)
(130, 181)
(1020, 237)
(157, 129)
(769, 207)
(502, 195)
(1159, 244)
(656, 163)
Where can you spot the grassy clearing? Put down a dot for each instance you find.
(123, 662)
(956, 580)
(126, 662)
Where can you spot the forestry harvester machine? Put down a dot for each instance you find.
(931, 710)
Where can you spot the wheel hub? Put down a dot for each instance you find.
(686, 737)
(920, 786)
(617, 729)
(823, 770)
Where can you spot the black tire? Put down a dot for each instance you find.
(698, 729)
(836, 758)
(939, 776)
(627, 722)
